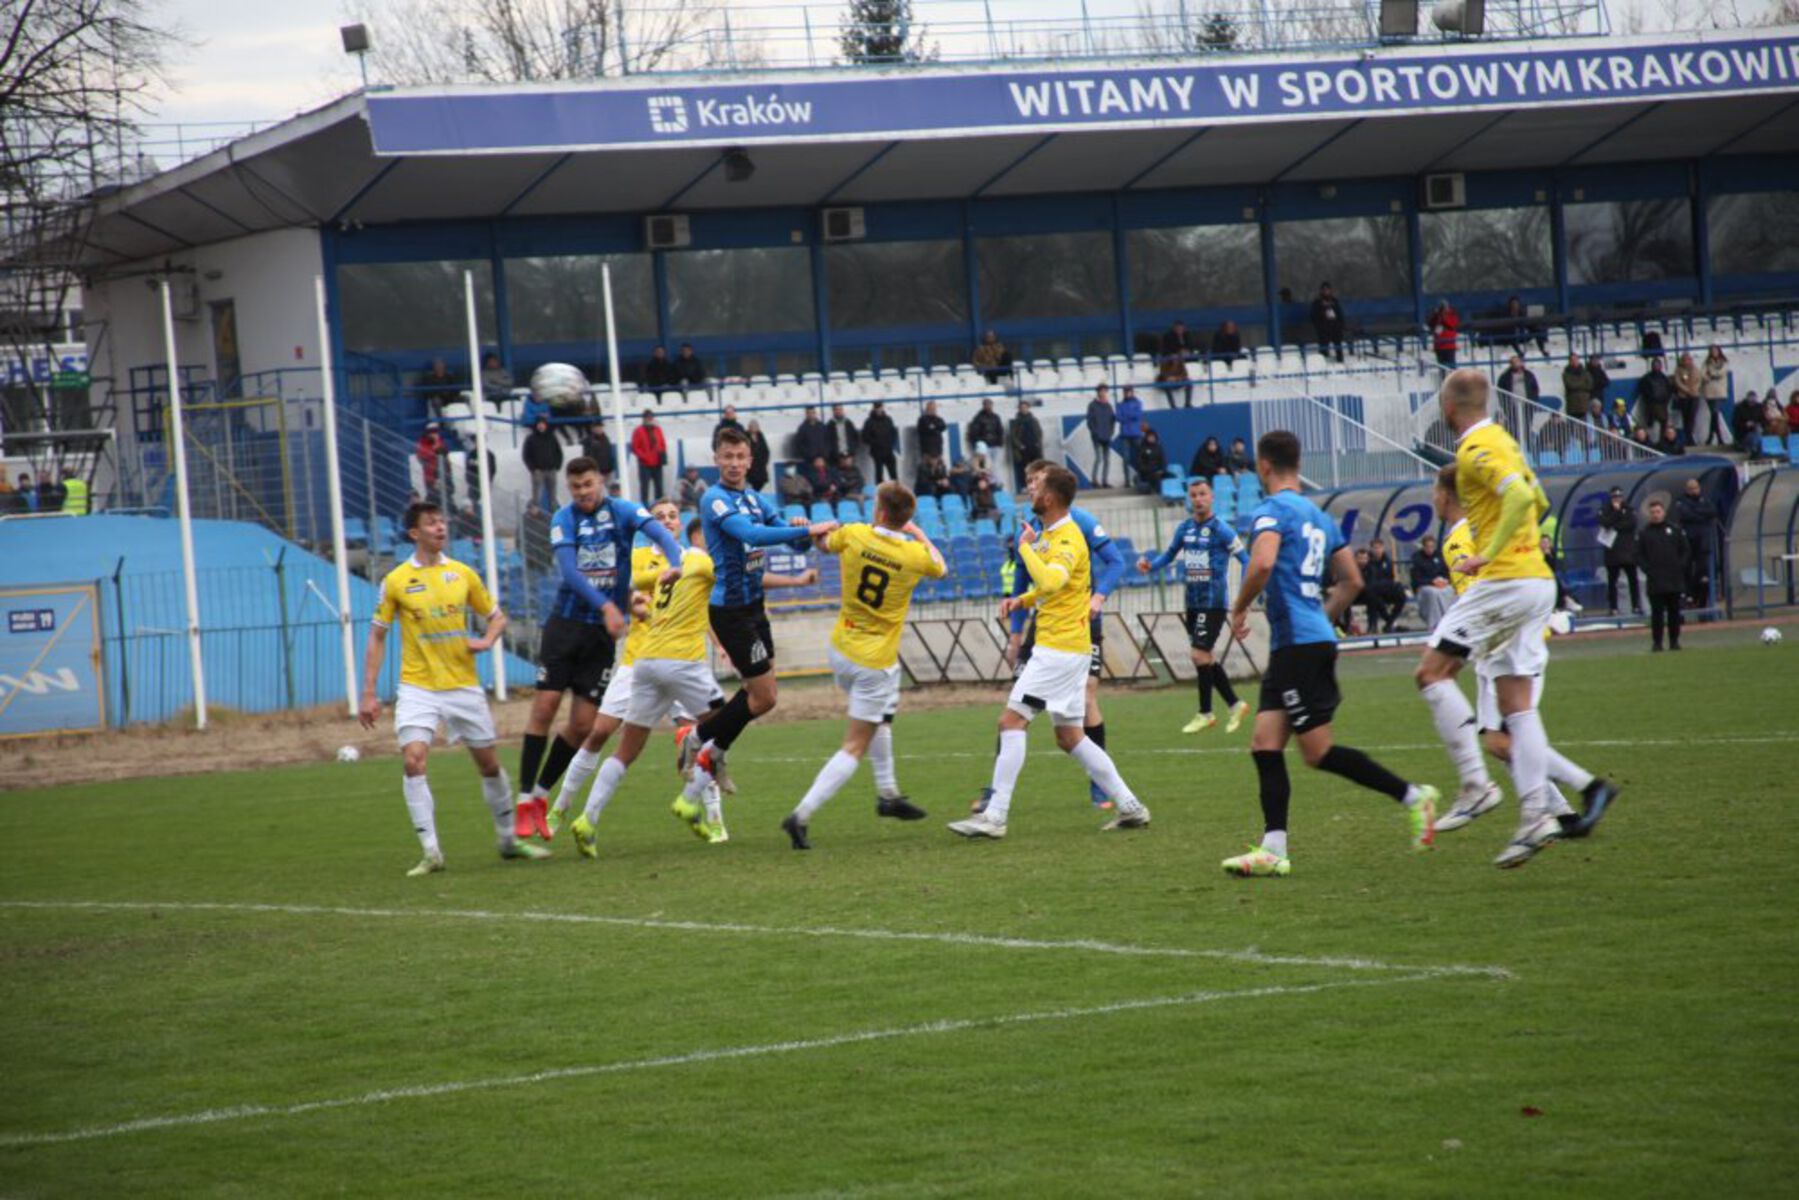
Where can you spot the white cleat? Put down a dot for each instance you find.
(1474, 800)
(1136, 817)
(431, 864)
(1535, 833)
(980, 825)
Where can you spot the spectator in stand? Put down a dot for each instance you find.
(690, 371)
(846, 478)
(1577, 388)
(1601, 381)
(1654, 397)
(992, 359)
(1227, 344)
(1665, 554)
(1177, 342)
(496, 380)
(1595, 415)
(1792, 410)
(881, 436)
(795, 487)
(1688, 383)
(1652, 343)
(1381, 589)
(542, 453)
(1152, 462)
(659, 375)
(1523, 330)
(986, 430)
(433, 454)
(1640, 435)
(1208, 460)
(811, 440)
(760, 457)
(27, 493)
(1130, 432)
(1520, 380)
(472, 481)
(962, 476)
(1619, 521)
(1746, 422)
(1670, 443)
(9, 499)
(931, 432)
(438, 385)
(1774, 417)
(1327, 320)
(726, 420)
(597, 445)
(981, 503)
(688, 490)
(1714, 388)
(650, 448)
(1102, 427)
(1430, 581)
(1171, 377)
(1618, 420)
(1698, 519)
(817, 475)
(842, 432)
(1024, 442)
(933, 476)
(1346, 621)
(50, 493)
(1445, 328)
(1238, 460)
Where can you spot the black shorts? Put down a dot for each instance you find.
(1096, 655)
(1301, 681)
(573, 656)
(1203, 627)
(742, 629)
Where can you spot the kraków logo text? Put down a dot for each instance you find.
(668, 114)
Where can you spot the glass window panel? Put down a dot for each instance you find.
(1361, 257)
(1196, 266)
(413, 306)
(1043, 276)
(876, 285)
(1488, 249)
(1628, 241)
(1755, 233)
(558, 299)
(760, 289)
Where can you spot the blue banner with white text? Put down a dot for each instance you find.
(50, 660)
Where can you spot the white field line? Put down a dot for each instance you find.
(991, 941)
(245, 1112)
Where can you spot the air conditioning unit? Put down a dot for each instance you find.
(844, 225)
(666, 231)
(1446, 191)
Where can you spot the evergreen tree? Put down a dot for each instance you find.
(1218, 33)
(879, 31)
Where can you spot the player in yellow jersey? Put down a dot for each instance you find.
(882, 563)
(1056, 676)
(431, 597)
(1499, 622)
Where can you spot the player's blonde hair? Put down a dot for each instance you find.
(895, 501)
(1466, 390)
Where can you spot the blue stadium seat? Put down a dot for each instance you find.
(927, 504)
(1549, 458)
(954, 503)
(463, 550)
(957, 524)
(1004, 501)
(986, 526)
(794, 510)
(387, 536)
(821, 511)
(1174, 491)
(1793, 449)
(1773, 447)
(849, 511)
(356, 531)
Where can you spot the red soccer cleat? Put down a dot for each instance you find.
(540, 817)
(521, 818)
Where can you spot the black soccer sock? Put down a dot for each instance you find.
(1223, 683)
(1357, 767)
(1205, 689)
(1276, 788)
(562, 752)
(1097, 733)
(724, 726)
(530, 757)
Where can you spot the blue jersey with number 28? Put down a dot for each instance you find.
(1296, 589)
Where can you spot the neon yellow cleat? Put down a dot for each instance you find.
(431, 864)
(1422, 817)
(552, 822)
(1258, 863)
(526, 850)
(1239, 710)
(717, 834)
(1200, 723)
(693, 814)
(586, 839)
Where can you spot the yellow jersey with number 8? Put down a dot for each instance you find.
(433, 605)
(678, 612)
(1488, 464)
(880, 569)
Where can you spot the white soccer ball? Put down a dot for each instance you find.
(559, 385)
(348, 754)
(1770, 636)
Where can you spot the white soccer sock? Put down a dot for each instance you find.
(1103, 771)
(715, 805)
(1571, 773)
(1007, 765)
(697, 783)
(1530, 758)
(1558, 803)
(423, 811)
(611, 774)
(497, 791)
(880, 758)
(1455, 725)
(580, 769)
(1275, 842)
(836, 772)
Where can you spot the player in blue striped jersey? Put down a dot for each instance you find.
(1204, 544)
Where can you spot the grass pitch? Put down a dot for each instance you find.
(223, 985)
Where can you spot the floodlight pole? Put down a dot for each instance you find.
(334, 491)
(490, 553)
(618, 393)
(184, 511)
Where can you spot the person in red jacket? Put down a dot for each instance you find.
(650, 449)
(1445, 325)
(431, 451)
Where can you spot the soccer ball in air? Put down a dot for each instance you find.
(348, 754)
(559, 385)
(1770, 636)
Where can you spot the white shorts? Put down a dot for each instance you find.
(616, 703)
(1486, 699)
(463, 712)
(1055, 680)
(1500, 623)
(873, 693)
(661, 686)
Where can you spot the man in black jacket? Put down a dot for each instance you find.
(843, 435)
(1665, 554)
(881, 437)
(726, 420)
(1655, 392)
(542, 453)
(690, 371)
(1699, 521)
(597, 446)
(812, 440)
(1327, 320)
(931, 432)
(1430, 581)
(1381, 589)
(1024, 442)
(1621, 555)
(986, 429)
(659, 375)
